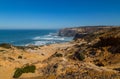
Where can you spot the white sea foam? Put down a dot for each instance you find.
(36, 38)
(49, 39)
(62, 39)
(40, 42)
(43, 42)
(48, 35)
(55, 39)
(56, 36)
(53, 34)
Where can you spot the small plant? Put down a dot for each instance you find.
(79, 56)
(5, 45)
(100, 64)
(11, 58)
(20, 57)
(58, 55)
(2, 50)
(26, 69)
(18, 73)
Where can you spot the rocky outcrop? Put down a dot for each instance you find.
(71, 32)
(79, 35)
(67, 32)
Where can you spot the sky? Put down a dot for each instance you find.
(53, 14)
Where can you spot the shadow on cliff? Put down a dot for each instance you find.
(112, 42)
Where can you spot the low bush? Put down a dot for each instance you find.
(5, 45)
(18, 73)
(28, 69)
(59, 55)
(80, 56)
(11, 58)
(25, 69)
(20, 57)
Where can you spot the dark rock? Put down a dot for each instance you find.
(67, 32)
(80, 35)
(70, 32)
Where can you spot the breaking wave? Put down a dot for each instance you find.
(51, 38)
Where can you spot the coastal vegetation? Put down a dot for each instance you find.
(6, 45)
(20, 57)
(26, 69)
(80, 56)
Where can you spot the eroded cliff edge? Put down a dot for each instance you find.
(82, 30)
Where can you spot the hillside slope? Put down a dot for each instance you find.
(93, 56)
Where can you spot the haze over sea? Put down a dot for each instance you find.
(31, 37)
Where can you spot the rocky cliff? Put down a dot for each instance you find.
(92, 56)
(81, 30)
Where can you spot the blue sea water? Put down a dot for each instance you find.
(31, 37)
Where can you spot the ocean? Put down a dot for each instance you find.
(31, 37)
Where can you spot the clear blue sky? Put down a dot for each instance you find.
(39, 14)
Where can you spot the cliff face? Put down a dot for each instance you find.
(67, 32)
(81, 30)
(93, 56)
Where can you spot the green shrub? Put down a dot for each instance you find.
(79, 56)
(26, 69)
(58, 55)
(11, 58)
(18, 73)
(20, 57)
(2, 50)
(5, 45)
